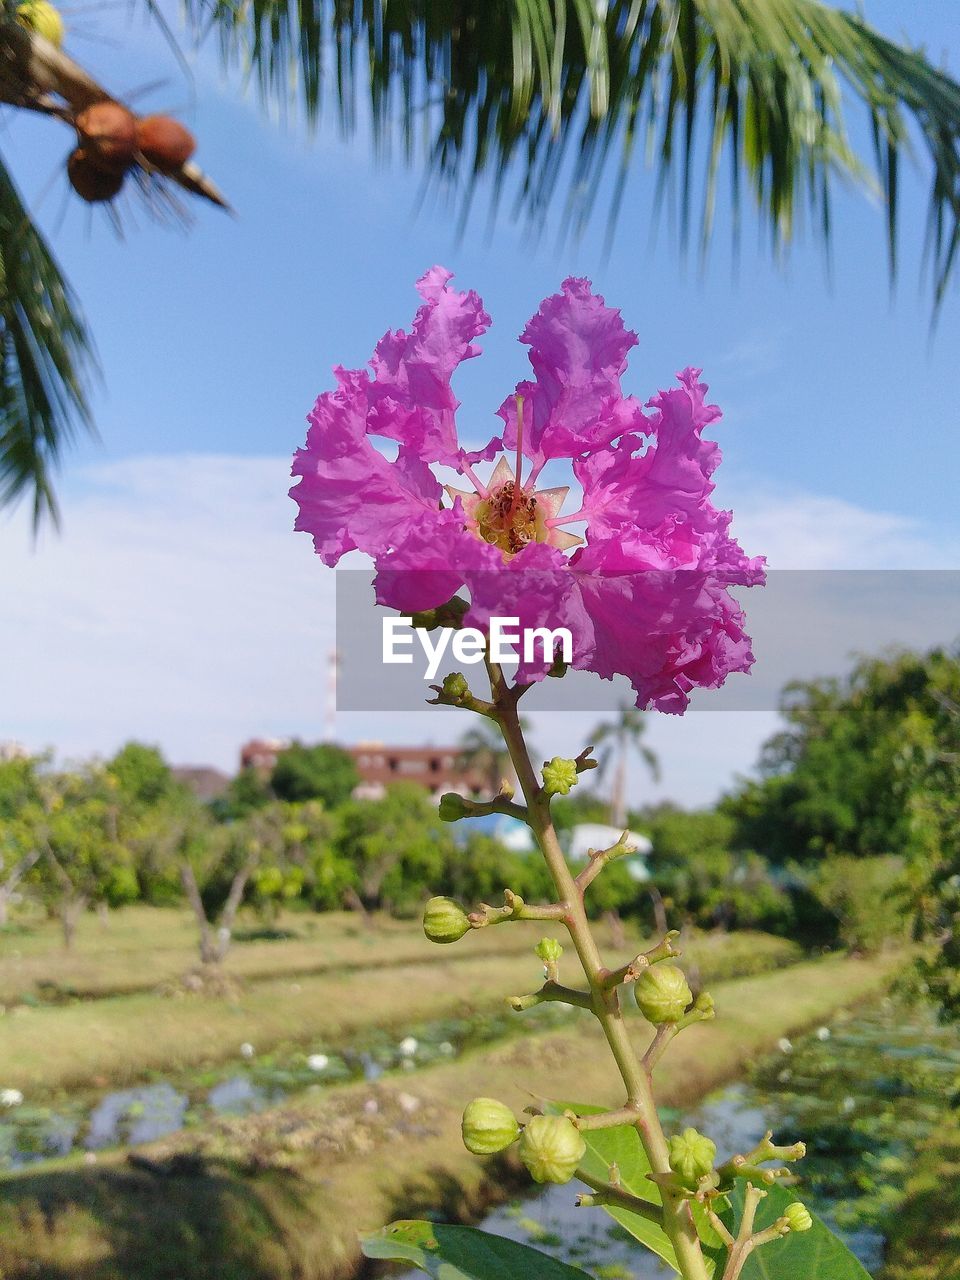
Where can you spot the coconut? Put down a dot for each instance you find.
(90, 180)
(164, 142)
(108, 134)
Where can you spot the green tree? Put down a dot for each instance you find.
(321, 772)
(84, 862)
(510, 89)
(216, 864)
(616, 739)
(20, 790)
(397, 846)
(142, 774)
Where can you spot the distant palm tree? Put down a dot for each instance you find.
(615, 740)
(483, 753)
(538, 94)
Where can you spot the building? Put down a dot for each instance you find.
(437, 769)
(261, 753)
(203, 780)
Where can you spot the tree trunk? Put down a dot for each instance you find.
(71, 909)
(618, 935)
(618, 799)
(103, 914)
(659, 911)
(232, 906)
(208, 949)
(355, 903)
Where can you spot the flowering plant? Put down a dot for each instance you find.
(640, 574)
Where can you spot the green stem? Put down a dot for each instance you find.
(677, 1219)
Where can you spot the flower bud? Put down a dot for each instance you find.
(455, 686)
(549, 950)
(662, 993)
(692, 1156)
(452, 807)
(551, 1147)
(444, 920)
(488, 1126)
(559, 775)
(798, 1216)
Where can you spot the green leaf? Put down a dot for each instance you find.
(621, 1146)
(45, 351)
(557, 92)
(463, 1253)
(816, 1254)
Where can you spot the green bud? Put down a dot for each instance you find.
(798, 1216)
(444, 920)
(662, 993)
(692, 1156)
(559, 775)
(452, 807)
(488, 1126)
(549, 950)
(551, 1147)
(455, 686)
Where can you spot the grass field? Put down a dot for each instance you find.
(281, 1196)
(924, 1236)
(317, 989)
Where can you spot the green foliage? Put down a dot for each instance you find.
(814, 1254)
(510, 87)
(483, 868)
(247, 791)
(867, 771)
(463, 1253)
(396, 846)
(703, 880)
(142, 774)
(869, 897)
(45, 347)
(322, 772)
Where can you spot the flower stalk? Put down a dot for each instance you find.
(676, 1217)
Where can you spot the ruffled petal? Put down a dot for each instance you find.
(350, 496)
(536, 587)
(430, 562)
(410, 396)
(578, 349)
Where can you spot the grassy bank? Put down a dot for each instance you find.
(142, 948)
(923, 1241)
(282, 1195)
(126, 1039)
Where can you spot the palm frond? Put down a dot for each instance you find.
(45, 350)
(557, 92)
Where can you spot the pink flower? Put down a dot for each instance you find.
(646, 592)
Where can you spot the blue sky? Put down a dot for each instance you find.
(177, 606)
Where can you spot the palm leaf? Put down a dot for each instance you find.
(45, 346)
(553, 93)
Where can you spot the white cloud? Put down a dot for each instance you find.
(178, 607)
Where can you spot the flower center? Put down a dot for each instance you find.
(506, 515)
(509, 518)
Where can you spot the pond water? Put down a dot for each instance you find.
(44, 1127)
(862, 1092)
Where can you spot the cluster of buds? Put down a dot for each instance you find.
(551, 1147)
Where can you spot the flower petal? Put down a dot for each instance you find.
(578, 349)
(410, 397)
